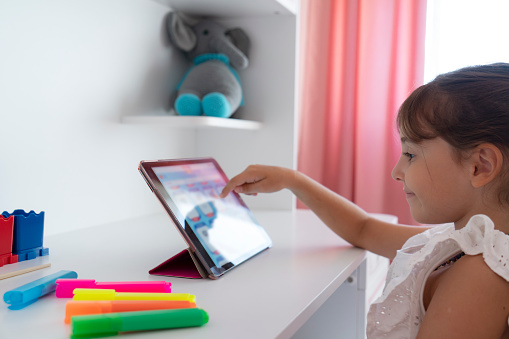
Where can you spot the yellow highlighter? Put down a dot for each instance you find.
(107, 294)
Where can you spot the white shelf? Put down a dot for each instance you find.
(229, 8)
(192, 121)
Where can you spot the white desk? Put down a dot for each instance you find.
(269, 296)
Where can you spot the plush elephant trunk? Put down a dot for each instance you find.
(237, 58)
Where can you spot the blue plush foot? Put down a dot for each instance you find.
(216, 105)
(188, 104)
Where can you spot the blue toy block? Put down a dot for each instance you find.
(28, 234)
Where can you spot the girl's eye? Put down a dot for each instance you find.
(410, 156)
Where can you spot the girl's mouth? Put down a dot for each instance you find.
(409, 194)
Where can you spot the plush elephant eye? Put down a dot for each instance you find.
(206, 32)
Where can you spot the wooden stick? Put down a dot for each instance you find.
(23, 271)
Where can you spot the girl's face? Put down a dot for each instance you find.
(436, 185)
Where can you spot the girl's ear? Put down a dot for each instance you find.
(486, 164)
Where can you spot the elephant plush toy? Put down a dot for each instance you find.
(211, 86)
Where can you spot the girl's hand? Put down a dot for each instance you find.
(259, 179)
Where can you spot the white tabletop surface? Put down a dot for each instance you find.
(269, 296)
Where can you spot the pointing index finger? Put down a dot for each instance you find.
(230, 186)
(226, 189)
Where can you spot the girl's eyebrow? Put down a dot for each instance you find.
(408, 142)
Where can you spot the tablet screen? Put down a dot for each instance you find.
(223, 231)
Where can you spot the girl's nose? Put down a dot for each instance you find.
(397, 173)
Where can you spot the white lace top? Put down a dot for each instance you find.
(399, 311)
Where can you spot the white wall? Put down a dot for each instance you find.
(68, 70)
(453, 41)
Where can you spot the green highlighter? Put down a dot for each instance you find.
(103, 325)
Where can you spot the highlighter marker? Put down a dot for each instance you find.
(27, 294)
(87, 326)
(85, 307)
(99, 294)
(66, 286)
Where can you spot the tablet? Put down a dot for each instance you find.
(220, 233)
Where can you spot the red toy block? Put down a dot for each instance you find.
(6, 235)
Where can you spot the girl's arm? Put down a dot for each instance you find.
(343, 217)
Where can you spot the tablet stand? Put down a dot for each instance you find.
(181, 265)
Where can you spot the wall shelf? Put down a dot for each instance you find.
(192, 121)
(228, 8)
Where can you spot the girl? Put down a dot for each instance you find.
(451, 280)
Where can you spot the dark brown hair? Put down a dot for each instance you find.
(466, 108)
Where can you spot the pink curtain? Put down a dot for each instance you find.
(359, 60)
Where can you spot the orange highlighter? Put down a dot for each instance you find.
(85, 307)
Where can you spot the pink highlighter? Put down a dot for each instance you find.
(65, 287)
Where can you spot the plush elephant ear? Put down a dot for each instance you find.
(239, 38)
(180, 33)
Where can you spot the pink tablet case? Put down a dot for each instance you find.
(181, 265)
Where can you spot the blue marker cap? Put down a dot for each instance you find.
(25, 295)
